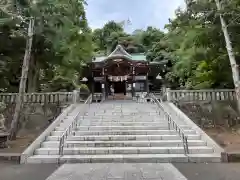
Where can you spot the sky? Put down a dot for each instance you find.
(141, 13)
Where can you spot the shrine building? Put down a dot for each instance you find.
(128, 74)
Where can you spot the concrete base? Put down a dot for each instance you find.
(126, 158)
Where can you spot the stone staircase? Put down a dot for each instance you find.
(123, 131)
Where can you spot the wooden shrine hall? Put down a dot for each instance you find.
(126, 73)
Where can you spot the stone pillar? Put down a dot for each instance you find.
(237, 92)
(169, 98)
(2, 123)
(75, 96)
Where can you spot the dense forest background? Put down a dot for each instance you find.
(63, 42)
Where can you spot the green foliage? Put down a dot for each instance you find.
(62, 42)
(107, 38)
(197, 43)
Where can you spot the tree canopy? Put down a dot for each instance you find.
(62, 42)
(193, 44)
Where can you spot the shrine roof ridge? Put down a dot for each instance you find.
(121, 52)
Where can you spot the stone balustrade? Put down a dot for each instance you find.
(200, 95)
(44, 98)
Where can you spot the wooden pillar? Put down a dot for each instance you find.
(147, 84)
(93, 84)
(93, 87)
(133, 81)
(106, 87)
(103, 84)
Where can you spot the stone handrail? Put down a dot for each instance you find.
(73, 125)
(171, 123)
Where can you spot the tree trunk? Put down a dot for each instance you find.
(33, 75)
(23, 80)
(231, 55)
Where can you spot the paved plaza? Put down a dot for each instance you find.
(13, 171)
(192, 171)
(162, 171)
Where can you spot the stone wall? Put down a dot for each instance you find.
(209, 114)
(34, 117)
(40, 109)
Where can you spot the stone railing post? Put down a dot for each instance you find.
(75, 96)
(237, 92)
(169, 98)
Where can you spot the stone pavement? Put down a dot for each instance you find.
(147, 171)
(210, 171)
(192, 171)
(13, 171)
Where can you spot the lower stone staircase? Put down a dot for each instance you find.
(123, 131)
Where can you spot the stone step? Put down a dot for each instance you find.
(124, 150)
(76, 136)
(150, 120)
(114, 112)
(165, 143)
(130, 121)
(135, 122)
(122, 115)
(119, 122)
(60, 130)
(125, 115)
(108, 128)
(99, 123)
(123, 132)
(40, 159)
(119, 112)
(125, 158)
(132, 132)
(130, 137)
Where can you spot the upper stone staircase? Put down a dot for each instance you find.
(123, 131)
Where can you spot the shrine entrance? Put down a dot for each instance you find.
(119, 84)
(119, 90)
(119, 87)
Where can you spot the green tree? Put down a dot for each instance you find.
(61, 30)
(199, 47)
